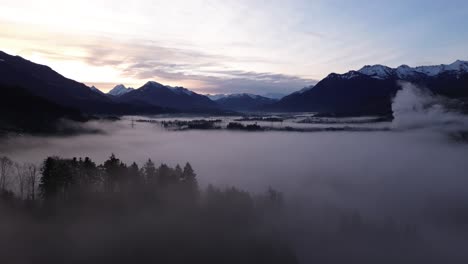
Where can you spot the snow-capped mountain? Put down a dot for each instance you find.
(406, 72)
(158, 94)
(176, 90)
(120, 90)
(370, 90)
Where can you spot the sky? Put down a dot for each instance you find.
(229, 46)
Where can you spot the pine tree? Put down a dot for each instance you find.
(149, 172)
(189, 180)
(112, 169)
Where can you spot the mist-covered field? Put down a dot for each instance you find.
(396, 195)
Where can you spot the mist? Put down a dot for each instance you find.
(414, 174)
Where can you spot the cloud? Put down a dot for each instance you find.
(122, 59)
(205, 72)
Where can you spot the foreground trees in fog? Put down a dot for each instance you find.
(119, 213)
(63, 178)
(78, 211)
(21, 178)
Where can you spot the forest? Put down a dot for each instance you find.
(77, 211)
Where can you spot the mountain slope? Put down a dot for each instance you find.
(371, 89)
(33, 114)
(94, 89)
(42, 81)
(215, 97)
(156, 94)
(243, 102)
(45, 82)
(276, 96)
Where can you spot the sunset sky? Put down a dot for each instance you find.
(229, 46)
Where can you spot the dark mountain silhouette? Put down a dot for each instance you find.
(42, 81)
(370, 90)
(96, 90)
(20, 110)
(153, 93)
(243, 102)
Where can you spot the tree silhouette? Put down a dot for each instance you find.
(149, 172)
(112, 168)
(32, 179)
(6, 167)
(189, 181)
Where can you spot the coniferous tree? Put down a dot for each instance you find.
(178, 172)
(149, 172)
(134, 174)
(57, 177)
(189, 181)
(165, 175)
(90, 172)
(112, 168)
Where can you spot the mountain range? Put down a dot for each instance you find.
(154, 93)
(41, 81)
(243, 102)
(370, 90)
(366, 91)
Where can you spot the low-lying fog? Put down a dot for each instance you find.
(398, 173)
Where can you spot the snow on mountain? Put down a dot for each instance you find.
(120, 90)
(180, 90)
(377, 71)
(239, 95)
(177, 90)
(275, 96)
(158, 94)
(405, 71)
(215, 97)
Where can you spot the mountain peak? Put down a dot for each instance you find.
(376, 71)
(119, 90)
(94, 89)
(177, 89)
(153, 83)
(458, 65)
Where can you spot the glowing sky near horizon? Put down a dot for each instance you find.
(230, 46)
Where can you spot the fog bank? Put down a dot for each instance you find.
(414, 174)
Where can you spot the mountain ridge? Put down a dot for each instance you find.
(42, 81)
(244, 102)
(157, 94)
(369, 90)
